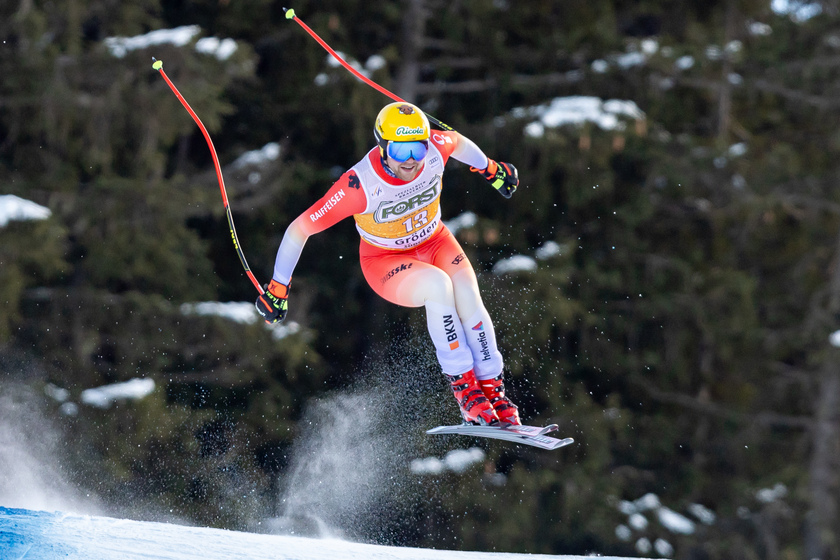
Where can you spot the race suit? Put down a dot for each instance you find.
(408, 256)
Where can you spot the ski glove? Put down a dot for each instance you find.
(503, 176)
(273, 304)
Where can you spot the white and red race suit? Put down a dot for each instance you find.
(408, 256)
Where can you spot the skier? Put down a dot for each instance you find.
(408, 256)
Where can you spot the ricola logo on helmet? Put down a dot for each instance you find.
(406, 131)
(401, 122)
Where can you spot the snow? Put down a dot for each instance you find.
(638, 522)
(371, 65)
(105, 396)
(14, 208)
(457, 461)
(737, 150)
(769, 495)
(643, 546)
(465, 220)
(548, 250)
(578, 110)
(834, 339)
(684, 62)
(702, 513)
(222, 49)
(179, 36)
(241, 312)
(663, 548)
(41, 535)
(516, 263)
(268, 153)
(675, 522)
(628, 60)
(600, 66)
(797, 10)
(56, 393)
(672, 521)
(623, 533)
(375, 63)
(759, 29)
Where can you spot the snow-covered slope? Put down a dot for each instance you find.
(38, 535)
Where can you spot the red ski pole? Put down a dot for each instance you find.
(158, 65)
(290, 14)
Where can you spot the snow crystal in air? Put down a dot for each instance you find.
(180, 36)
(14, 208)
(105, 396)
(516, 263)
(834, 339)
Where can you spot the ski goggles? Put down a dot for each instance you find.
(402, 151)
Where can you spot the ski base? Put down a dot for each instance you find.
(528, 435)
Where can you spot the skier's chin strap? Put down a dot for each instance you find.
(387, 169)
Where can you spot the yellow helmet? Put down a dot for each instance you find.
(400, 122)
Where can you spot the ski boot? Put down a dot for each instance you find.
(475, 408)
(494, 390)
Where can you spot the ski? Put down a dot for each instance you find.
(528, 435)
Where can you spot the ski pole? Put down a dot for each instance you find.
(158, 65)
(290, 14)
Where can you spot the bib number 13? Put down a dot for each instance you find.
(417, 221)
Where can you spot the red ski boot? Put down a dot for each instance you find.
(494, 390)
(475, 408)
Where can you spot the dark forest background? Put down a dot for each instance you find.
(680, 335)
